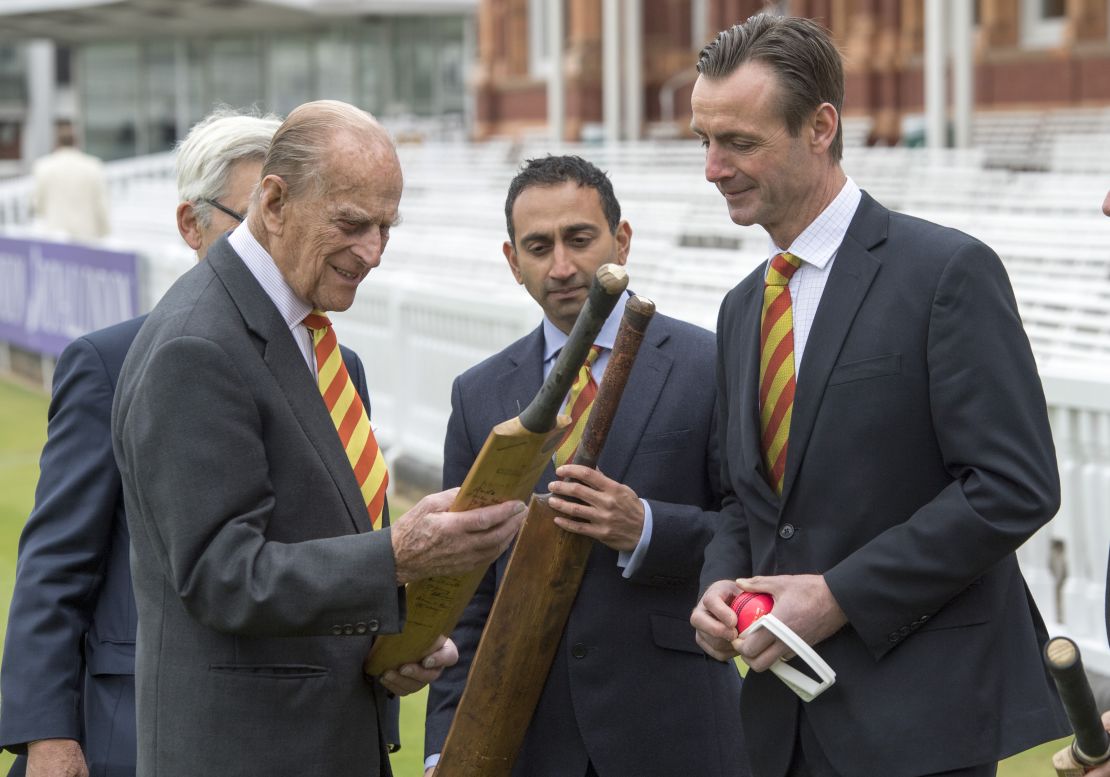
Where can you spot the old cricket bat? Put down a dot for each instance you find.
(1091, 745)
(533, 603)
(514, 456)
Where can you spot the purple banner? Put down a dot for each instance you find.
(51, 293)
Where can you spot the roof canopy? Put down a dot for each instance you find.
(79, 21)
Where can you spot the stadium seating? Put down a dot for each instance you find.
(443, 298)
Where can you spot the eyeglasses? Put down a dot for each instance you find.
(223, 208)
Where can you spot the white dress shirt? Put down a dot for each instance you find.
(291, 307)
(816, 247)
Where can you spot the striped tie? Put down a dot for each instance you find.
(349, 416)
(776, 367)
(579, 401)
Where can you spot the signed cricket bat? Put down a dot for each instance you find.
(514, 456)
(534, 600)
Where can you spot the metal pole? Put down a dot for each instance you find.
(556, 99)
(963, 70)
(935, 102)
(633, 69)
(38, 131)
(611, 69)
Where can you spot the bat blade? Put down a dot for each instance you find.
(507, 468)
(534, 600)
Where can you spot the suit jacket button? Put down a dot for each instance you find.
(373, 625)
(892, 637)
(360, 628)
(337, 629)
(579, 650)
(348, 629)
(786, 531)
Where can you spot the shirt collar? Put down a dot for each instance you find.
(554, 339)
(819, 241)
(262, 266)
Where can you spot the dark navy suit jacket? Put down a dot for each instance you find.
(920, 458)
(629, 688)
(69, 655)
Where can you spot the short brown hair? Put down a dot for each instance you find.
(801, 55)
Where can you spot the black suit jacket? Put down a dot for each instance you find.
(919, 459)
(629, 688)
(69, 654)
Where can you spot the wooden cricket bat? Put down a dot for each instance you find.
(534, 601)
(514, 456)
(1091, 745)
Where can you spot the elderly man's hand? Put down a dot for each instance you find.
(428, 540)
(410, 678)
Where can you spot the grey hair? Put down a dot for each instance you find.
(303, 140)
(213, 145)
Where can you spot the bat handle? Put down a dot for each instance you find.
(1092, 742)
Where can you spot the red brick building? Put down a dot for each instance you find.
(1027, 54)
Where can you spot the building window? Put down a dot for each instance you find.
(1042, 23)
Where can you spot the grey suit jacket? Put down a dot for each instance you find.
(258, 582)
(629, 688)
(919, 458)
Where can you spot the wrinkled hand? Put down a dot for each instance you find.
(612, 513)
(56, 758)
(428, 540)
(430, 771)
(802, 602)
(1104, 769)
(410, 678)
(714, 621)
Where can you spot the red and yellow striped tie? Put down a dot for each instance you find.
(581, 398)
(349, 416)
(776, 367)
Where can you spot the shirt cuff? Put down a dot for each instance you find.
(630, 562)
(431, 761)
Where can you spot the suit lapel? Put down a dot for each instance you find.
(746, 335)
(849, 279)
(645, 384)
(520, 382)
(291, 374)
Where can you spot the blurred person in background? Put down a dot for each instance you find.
(67, 681)
(70, 195)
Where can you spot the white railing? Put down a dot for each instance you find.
(443, 301)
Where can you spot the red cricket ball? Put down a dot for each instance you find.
(749, 607)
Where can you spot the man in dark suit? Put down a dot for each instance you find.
(629, 692)
(69, 657)
(252, 479)
(884, 440)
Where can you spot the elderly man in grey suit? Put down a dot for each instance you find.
(629, 692)
(259, 580)
(67, 679)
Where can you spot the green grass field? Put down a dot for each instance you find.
(22, 433)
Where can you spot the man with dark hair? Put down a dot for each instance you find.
(877, 487)
(264, 562)
(629, 692)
